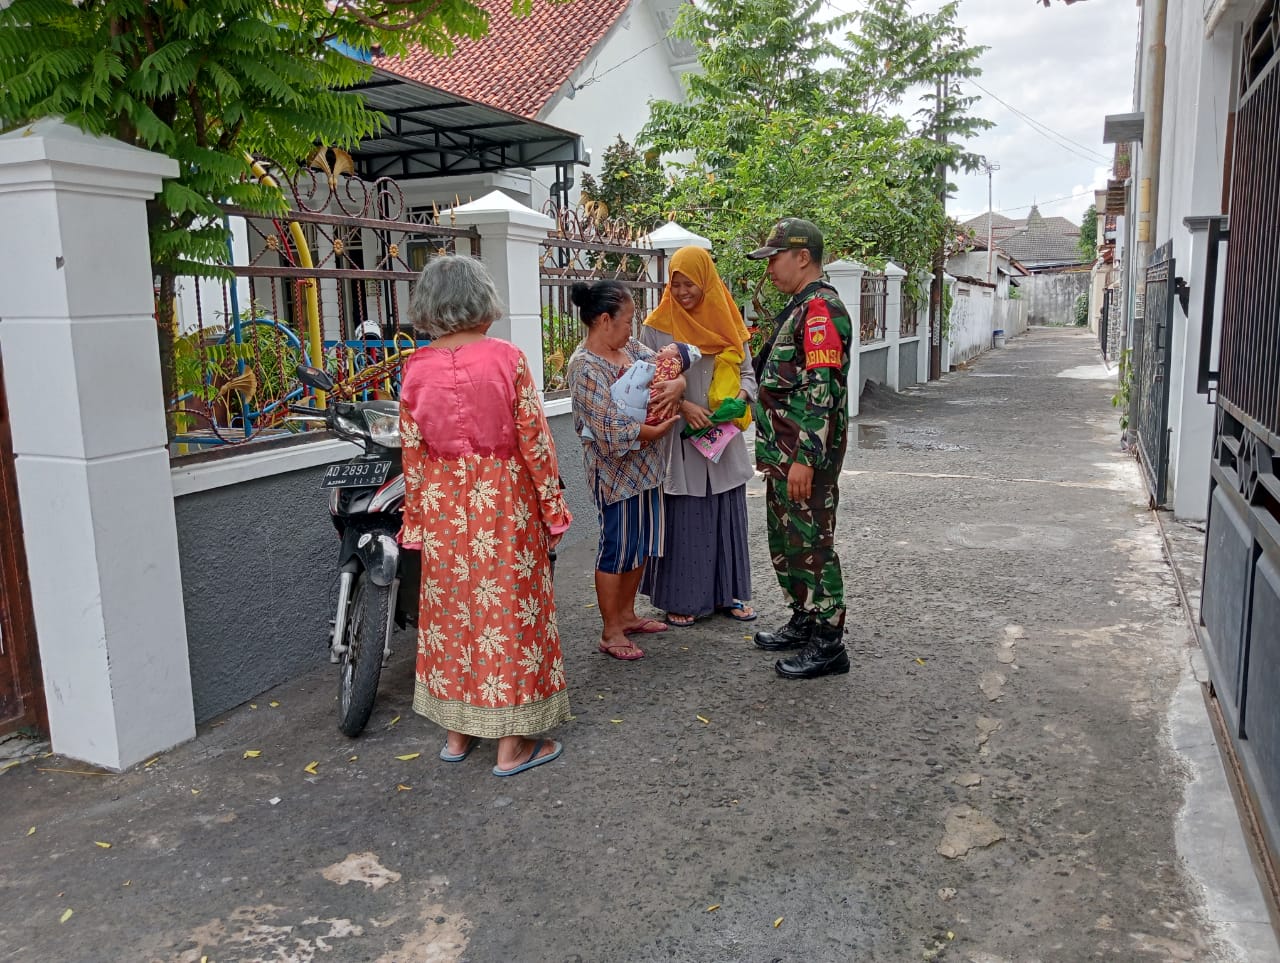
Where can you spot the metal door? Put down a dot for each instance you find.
(21, 696)
(1240, 604)
(1152, 345)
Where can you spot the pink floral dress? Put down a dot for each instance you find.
(482, 495)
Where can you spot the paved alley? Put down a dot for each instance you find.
(1018, 769)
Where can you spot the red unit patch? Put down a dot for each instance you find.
(822, 348)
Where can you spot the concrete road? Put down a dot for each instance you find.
(1018, 768)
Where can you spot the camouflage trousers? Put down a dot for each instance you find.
(802, 546)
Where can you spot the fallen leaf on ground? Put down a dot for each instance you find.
(353, 759)
(216, 724)
(392, 723)
(252, 753)
(274, 705)
(703, 719)
(101, 845)
(406, 758)
(66, 915)
(31, 831)
(590, 605)
(311, 767)
(403, 788)
(195, 792)
(919, 661)
(127, 882)
(253, 705)
(615, 721)
(713, 907)
(777, 922)
(150, 762)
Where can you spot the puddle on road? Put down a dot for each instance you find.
(876, 437)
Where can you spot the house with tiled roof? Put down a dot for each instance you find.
(1039, 243)
(590, 67)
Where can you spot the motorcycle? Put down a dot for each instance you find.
(378, 579)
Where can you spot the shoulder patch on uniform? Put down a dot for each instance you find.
(822, 347)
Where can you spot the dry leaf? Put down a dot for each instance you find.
(406, 758)
(216, 724)
(66, 915)
(615, 721)
(392, 722)
(311, 767)
(777, 922)
(101, 845)
(252, 753)
(919, 661)
(150, 762)
(598, 696)
(274, 705)
(253, 705)
(403, 788)
(127, 882)
(31, 831)
(195, 792)
(703, 719)
(353, 759)
(713, 907)
(590, 605)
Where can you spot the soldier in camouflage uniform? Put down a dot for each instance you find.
(802, 418)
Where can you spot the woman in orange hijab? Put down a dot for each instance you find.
(706, 567)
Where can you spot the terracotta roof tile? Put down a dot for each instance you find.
(522, 61)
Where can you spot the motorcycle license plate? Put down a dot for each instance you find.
(366, 473)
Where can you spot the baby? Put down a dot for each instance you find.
(631, 390)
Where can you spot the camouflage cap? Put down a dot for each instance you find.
(791, 234)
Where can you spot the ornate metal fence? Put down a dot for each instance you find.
(326, 283)
(584, 248)
(1152, 344)
(875, 294)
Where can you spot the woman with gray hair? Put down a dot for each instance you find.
(483, 504)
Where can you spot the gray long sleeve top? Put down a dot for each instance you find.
(687, 469)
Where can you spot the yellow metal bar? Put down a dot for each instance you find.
(311, 300)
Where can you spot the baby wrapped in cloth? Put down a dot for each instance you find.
(631, 391)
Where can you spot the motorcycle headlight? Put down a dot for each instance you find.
(384, 429)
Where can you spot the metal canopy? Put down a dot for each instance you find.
(1122, 128)
(432, 133)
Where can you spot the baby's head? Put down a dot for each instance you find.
(687, 354)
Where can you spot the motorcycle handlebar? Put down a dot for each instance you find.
(306, 410)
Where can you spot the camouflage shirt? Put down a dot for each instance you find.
(802, 413)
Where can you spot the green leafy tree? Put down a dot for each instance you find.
(1089, 234)
(792, 114)
(630, 186)
(205, 83)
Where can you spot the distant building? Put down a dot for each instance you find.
(1040, 244)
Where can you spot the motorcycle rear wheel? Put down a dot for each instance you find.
(361, 664)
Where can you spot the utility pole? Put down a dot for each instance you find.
(990, 168)
(939, 258)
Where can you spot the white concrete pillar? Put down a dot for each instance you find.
(922, 329)
(82, 374)
(893, 276)
(846, 278)
(510, 245)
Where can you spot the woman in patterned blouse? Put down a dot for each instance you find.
(483, 503)
(624, 468)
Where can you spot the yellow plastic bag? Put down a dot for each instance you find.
(726, 382)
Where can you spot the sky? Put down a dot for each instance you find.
(1064, 67)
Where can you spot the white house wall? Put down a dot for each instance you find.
(634, 67)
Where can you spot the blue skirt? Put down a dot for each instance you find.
(631, 531)
(707, 562)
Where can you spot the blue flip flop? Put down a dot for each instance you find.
(448, 756)
(740, 606)
(534, 759)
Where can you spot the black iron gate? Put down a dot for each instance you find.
(1240, 605)
(1151, 355)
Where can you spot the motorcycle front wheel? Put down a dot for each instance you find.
(361, 664)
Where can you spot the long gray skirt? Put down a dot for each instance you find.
(706, 564)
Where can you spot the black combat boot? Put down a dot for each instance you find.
(824, 655)
(794, 635)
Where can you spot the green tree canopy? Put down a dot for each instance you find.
(792, 114)
(1089, 234)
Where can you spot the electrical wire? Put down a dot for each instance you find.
(595, 77)
(1026, 207)
(1060, 140)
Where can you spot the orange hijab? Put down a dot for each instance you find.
(716, 323)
